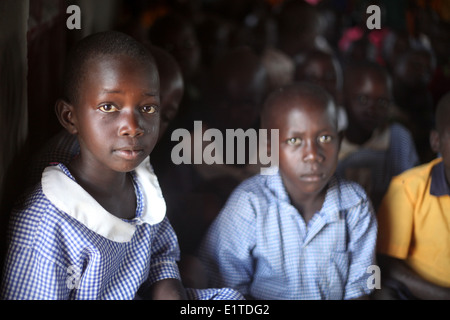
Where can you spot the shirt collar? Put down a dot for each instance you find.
(439, 186)
(56, 185)
(336, 199)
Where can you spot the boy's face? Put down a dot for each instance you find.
(117, 114)
(322, 72)
(440, 142)
(367, 102)
(237, 104)
(183, 45)
(309, 146)
(417, 70)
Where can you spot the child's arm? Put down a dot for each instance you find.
(28, 275)
(164, 282)
(226, 248)
(362, 243)
(419, 287)
(32, 269)
(167, 289)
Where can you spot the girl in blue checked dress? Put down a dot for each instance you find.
(96, 228)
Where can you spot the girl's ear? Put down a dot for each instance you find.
(66, 116)
(434, 141)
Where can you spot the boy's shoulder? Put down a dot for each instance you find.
(260, 184)
(416, 177)
(348, 194)
(399, 132)
(345, 192)
(258, 191)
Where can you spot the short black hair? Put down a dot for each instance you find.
(301, 89)
(355, 69)
(95, 46)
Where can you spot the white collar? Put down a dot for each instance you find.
(68, 196)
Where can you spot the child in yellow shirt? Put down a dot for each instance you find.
(414, 223)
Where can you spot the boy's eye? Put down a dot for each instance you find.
(294, 141)
(148, 109)
(107, 108)
(325, 139)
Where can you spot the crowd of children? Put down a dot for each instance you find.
(362, 179)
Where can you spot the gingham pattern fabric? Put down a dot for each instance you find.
(213, 294)
(260, 245)
(54, 256)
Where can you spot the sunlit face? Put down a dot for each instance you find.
(368, 101)
(117, 114)
(308, 146)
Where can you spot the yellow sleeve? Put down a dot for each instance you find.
(395, 220)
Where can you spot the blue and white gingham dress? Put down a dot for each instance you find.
(260, 245)
(82, 252)
(64, 245)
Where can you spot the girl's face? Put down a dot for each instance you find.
(117, 115)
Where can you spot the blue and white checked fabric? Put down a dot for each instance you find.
(55, 254)
(64, 245)
(260, 245)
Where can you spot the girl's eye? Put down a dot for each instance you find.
(325, 139)
(294, 141)
(107, 108)
(149, 109)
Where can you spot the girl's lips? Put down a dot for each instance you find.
(129, 154)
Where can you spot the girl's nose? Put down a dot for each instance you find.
(130, 125)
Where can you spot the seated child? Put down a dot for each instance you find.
(63, 147)
(373, 149)
(323, 68)
(301, 233)
(95, 228)
(414, 220)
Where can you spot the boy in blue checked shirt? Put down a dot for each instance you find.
(96, 227)
(300, 233)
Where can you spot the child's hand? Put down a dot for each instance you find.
(168, 289)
